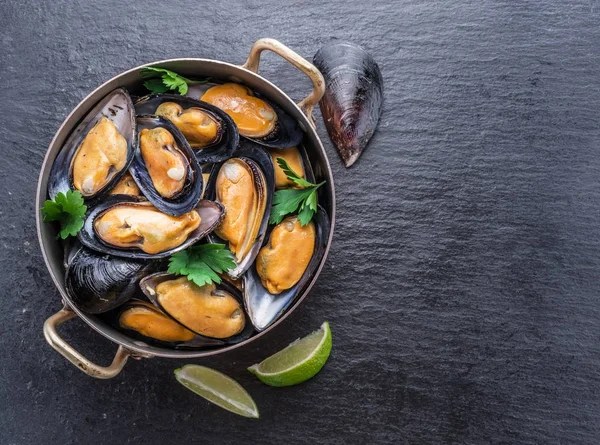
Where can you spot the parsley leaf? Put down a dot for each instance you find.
(202, 263)
(303, 201)
(161, 80)
(68, 209)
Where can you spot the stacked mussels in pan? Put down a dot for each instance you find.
(164, 172)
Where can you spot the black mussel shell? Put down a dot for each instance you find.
(118, 108)
(149, 283)
(97, 282)
(188, 197)
(263, 307)
(197, 342)
(287, 133)
(353, 99)
(211, 213)
(227, 139)
(257, 158)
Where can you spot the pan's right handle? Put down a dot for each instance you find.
(308, 103)
(68, 352)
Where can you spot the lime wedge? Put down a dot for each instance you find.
(217, 388)
(298, 362)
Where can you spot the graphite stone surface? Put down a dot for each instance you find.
(462, 284)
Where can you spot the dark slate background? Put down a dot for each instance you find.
(462, 285)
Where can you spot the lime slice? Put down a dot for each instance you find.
(298, 362)
(217, 388)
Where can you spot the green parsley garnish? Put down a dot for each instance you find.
(161, 80)
(303, 201)
(68, 209)
(202, 263)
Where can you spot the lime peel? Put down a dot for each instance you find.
(298, 362)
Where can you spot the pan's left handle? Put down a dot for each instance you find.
(68, 352)
(308, 103)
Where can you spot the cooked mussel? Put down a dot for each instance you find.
(257, 118)
(353, 99)
(297, 160)
(98, 152)
(98, 282)
(126, 186)
(165, 167)
(212, 311)
(209, 131)
(130, 227)
(244, 186)
(149, 321)
(284, 266)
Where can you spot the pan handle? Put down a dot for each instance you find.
(308, 103)
(67, 351)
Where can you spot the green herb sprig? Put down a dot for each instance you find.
(161, 80)
(303, 201)
(68, 209)
(202, 263)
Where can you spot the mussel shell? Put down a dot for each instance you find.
(118, 108)
(211, 213)
(228, 138)
(186, 199)
(256, 157)
(97, 282)
(151, 281)
(287, 133)
(353, 99)
(264, 308)
(197, 342)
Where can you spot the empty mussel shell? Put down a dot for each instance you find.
(244, 185)
(257, 118)
(165, 167)
(99, 151)
(209, 131)
(268, 293)
(131, 227)
(212, 311)
(97, 282)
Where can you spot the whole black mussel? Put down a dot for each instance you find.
(146, 322)
(353, 99)
(131, 227)
(99, 151)
(286, 263)
(244, 185)
(209, 131)
(165, 167)
(98, 283)
(256, 117)
(214, 311)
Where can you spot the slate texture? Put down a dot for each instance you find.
(462, 286)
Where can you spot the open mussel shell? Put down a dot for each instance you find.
(211, 214)
(97, 283)
(147, 323)
(226, 139)
(185, 199)
(259, 163)
(353, 99)
(264, 308)
(115, 111)
(223, 290)
(286, 131)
